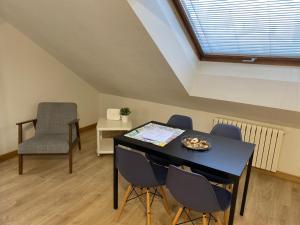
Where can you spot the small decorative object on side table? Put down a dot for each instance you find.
(113, 114)
(125, 112)
(105, 145)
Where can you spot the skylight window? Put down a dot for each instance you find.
(262, 31)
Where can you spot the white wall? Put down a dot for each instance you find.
(170, 40)
(144, 111)
(29, 75)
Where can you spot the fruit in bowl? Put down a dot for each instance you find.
(195, 143)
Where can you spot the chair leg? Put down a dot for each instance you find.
(226, 217)
(229, 187)
(205, 219)
(20, 164)
(218, 219)
(165, 200)
(126, 195)
(70, 161)
(186, 214)
(148, 207)
(177, 217)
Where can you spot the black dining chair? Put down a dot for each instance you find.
(228, 131)
(177, 121)
(141, 174)
(181, 122)
(194, 192)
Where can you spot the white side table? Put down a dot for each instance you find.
(105, 145)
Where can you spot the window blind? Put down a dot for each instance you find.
(262, 28)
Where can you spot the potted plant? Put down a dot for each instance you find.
(125, 112)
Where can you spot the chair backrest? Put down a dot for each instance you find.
(53, 118)
(192, 190)
(181, 122)
(135, 168)
(228, 131)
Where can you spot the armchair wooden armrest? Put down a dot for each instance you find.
(20, 130)
(76, 123)
(27, 121)
(73, 122)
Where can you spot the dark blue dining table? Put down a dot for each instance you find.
(226, 157)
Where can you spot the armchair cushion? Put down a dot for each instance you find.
(46, 144)
(53, 117)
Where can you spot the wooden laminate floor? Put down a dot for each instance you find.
(47, 195)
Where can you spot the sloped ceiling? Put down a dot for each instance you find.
(105, 44)
(101, 41)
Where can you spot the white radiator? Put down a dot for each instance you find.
(268, 142)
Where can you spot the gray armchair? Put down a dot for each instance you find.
(57, 132)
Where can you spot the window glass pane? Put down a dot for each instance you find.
(266, 28)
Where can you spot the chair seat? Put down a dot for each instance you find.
(213, 178)
(45, 144)
(223, 196)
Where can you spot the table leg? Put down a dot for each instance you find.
(246, 185)
(233, 201)
(98, 141)
(115, 178)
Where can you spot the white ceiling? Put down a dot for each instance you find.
(105, 44)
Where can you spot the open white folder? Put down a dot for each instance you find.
(155, 134)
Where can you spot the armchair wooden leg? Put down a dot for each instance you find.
(165, 200)
(20, 164)
(79, 143)
(70, 161)
(124, 202)
(177, 217)
(148, 207)
(78, 135)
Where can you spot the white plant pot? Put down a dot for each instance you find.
(124, 119)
